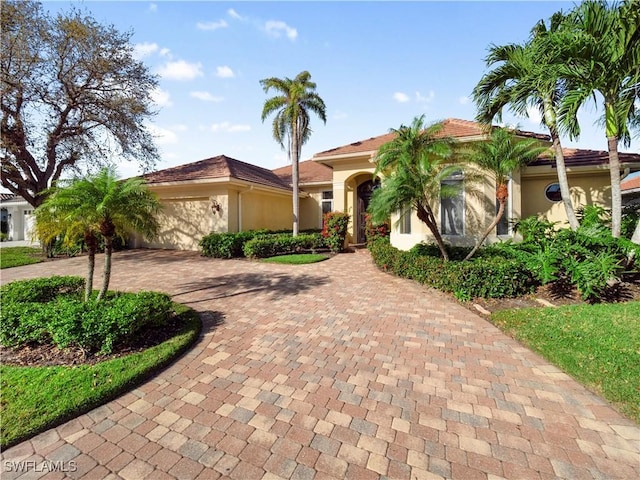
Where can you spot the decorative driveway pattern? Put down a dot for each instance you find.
(331, 370)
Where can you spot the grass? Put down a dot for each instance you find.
(599, 345)
(297, 259)
(17, 256)
(35, 399)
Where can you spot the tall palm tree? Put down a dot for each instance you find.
(607, 61)
(100, 205)
(296, 99)
(500, 157)
(527, 76)
(413, 166)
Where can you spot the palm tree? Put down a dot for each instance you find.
(292, 106)
(100, 205)
(528, 77)
(413, 166)
(607, 62)
(65, 213)
(500, 157)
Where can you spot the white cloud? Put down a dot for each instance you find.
(535, 117)
(141, 50)
(229, 127)
(179, 128)
(275, 28)
(153, 7)
(430, 96)
(233, 14)
(400, 97)
(206, 97)
(224, 72)
(161, 97)
(165, 52)
(212, 25)
(464, 100)
(181, 70)
(163, 136)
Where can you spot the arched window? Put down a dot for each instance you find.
(552, 192)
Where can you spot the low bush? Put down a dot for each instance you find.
(374, 231)
(66, 321)
(40, 289)
(489, 276)
(281, 244)
(226, 245)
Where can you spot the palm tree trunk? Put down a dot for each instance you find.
(563, 181)
(295, 177)
(495, 222)
(108, 250)
(91, 242)
(425, 214)
(616, 194)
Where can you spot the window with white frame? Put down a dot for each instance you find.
(404, 226)
(452, 206)
(327, 201)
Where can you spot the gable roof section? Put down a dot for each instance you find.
(574, 157)
(453, 127)
(309, 172)
(217, 167)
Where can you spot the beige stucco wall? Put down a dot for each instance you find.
(265, 210)
(311, 206)
(592, 188)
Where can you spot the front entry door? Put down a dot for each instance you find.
(365, 190)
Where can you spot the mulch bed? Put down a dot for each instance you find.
(49, 355)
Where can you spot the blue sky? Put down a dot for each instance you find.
(376, 65)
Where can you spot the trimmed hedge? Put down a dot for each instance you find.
(65, 320)
(488, 277)
(282, 244)
(231, 245)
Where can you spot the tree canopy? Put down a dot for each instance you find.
(73, 98)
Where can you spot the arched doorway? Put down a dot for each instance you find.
(365, 190)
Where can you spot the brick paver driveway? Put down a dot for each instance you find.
(333, 370)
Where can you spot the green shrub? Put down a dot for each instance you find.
(374, 231)
(334, 230)
(66, 320)
(226, 245)
(281, 244)
(488, 277)
(3, 237)
(40, 289)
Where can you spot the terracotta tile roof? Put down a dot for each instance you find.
(630, 184)
(217, 167)
(309, 172)
(574, 157)
(453, 127)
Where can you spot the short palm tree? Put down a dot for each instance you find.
(503, 154)
(99, 205)
(526, 76)
(414, 167)
(607, 61)
(296, 99)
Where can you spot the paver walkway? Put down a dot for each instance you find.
(332, 370)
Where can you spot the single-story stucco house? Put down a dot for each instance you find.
(221, 194)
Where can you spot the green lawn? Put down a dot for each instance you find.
(17, 256)
(37, 398)
(297, 259)
(599, 345)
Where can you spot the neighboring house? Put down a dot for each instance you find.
(631, 189)
(222, 194)
(17, 217)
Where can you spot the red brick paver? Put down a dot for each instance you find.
(331, 370)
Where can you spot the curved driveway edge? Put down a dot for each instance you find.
(330, 370)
